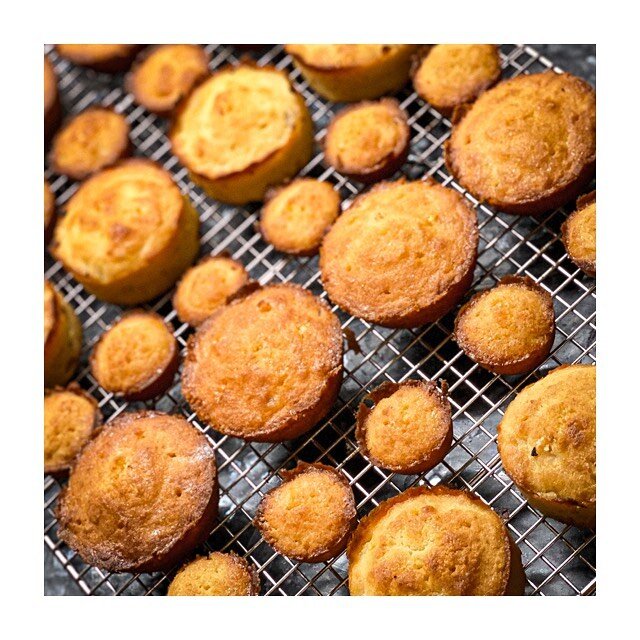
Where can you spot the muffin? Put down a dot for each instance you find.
(163, 75)
(508, 329)
(92, 140)
(310, 516)
(70, 419)
(241, 131)
(267, 366)
(128, 233)
(547, 444)
(434, 541)
(352, 72)
(579, 234)
(137, 358)
(402, 255)
(207, 286)
(52, 111)
(296, 217)
(108, 58)
(528, 145)
(141, 495)
(49, 213)
(62, 338)
(219, 574)
(368, 141)
(450, 75)
(408, 429)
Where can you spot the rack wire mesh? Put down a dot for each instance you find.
(558, 559)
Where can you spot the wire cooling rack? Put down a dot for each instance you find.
(558, 559)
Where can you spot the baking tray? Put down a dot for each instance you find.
(558, 559)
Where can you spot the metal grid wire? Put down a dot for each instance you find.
(558, 559)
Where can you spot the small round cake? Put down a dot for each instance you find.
(450, 75)
(547, 444)
(207, 286)
(137, 357)
(241, 131)
(368, 141)
(434, 541)
(219, 574)
(528, 145)
(352, 72)
(408, 429)
(128, 233)
(108, 58)
(402, 255)
(90, 141)
(142, 494)
(310, 516)
(49, 213)
(296, 217)
(267, 366)
(579, 234)
(163, 75)
(70, 418)
(52, 110)
(508, 329)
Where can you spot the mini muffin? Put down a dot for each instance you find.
(108, 58)
(49, 213)
(434, 541)
(368, 141)
(128, 233)
(142, 494)
(52, 111)
(137, 357)
(267, 366)
(352, 72)
(508, 329)
(408, 429)
(528, 145)
(310, 516)
(207, 286)
(450, 75)
(579, 234)
(296, 217)
(402, 255)
(70, 418)
(96, 138)
(242, 130)
(62, 338)
(163, 75)
(220, 574)
(547, 443)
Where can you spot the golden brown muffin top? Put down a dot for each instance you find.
(90, 141)
(207, 286)
(237, 118)
(219, 574)
(407, 424)
(93, 53)
(118, 220)
(140, 486)
(547, 438)
(49, 204)
(51, 310)
(167, 73)
(70, 416)
(133, 352)
(507, 323)
(295, 217)
(341, 56)
(310, 515)
(262, 361)
(362, 137)
(50, 84)
(579, 234)
(453, 74)
(430, 541)
(398, 248)
(526, 138)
